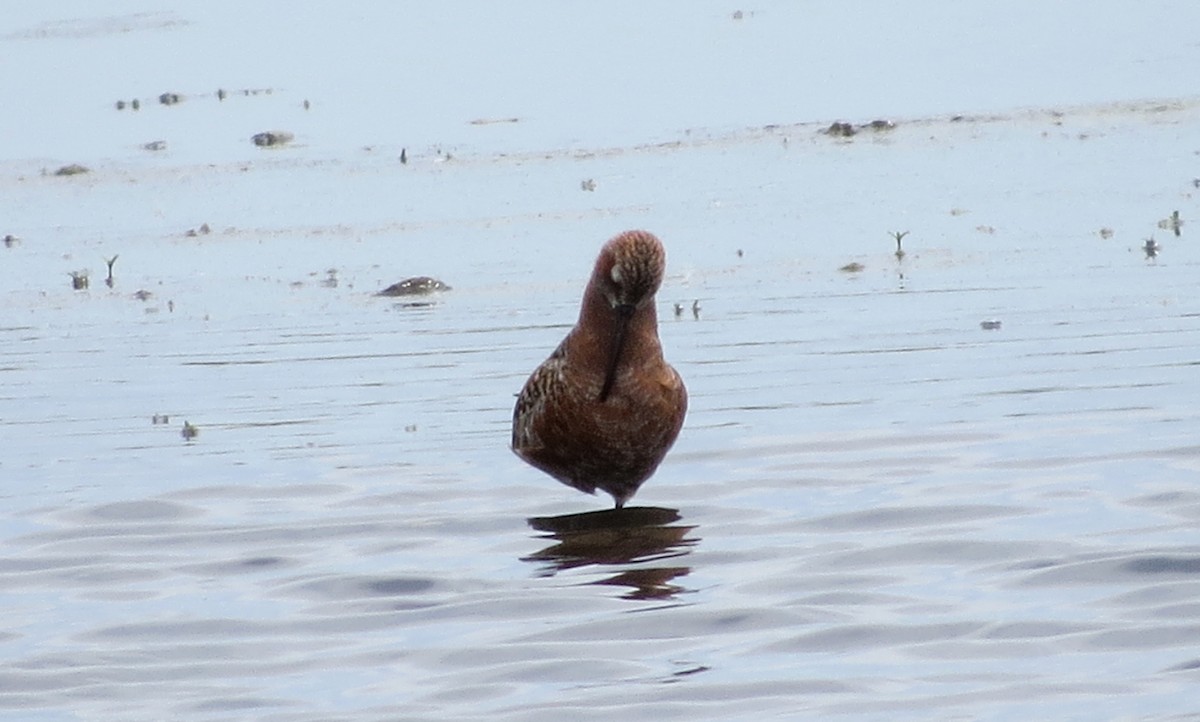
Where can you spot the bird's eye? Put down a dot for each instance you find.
(615, 273)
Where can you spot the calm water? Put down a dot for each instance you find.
(877, 509)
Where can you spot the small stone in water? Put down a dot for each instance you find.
(272, 138)
(415, 286)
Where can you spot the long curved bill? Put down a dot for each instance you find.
(624, 312)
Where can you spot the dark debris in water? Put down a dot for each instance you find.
(899, 237)
(695, 309)
(415, 286)
(170, 98)
(110, 262)
(1151, 248)
(1172, 223)
(842, 129)
(691, 670)
(272, 138)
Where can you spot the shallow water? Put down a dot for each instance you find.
(877, 508)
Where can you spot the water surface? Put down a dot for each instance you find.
(877, 508)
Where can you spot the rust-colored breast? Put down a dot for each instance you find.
(564, 425)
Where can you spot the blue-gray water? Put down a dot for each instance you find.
(885, 510)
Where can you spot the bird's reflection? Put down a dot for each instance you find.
(618, 536)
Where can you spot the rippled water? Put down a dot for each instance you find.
(877, 508)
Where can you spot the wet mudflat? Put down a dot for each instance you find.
(960, 482)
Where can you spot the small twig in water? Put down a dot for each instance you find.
(899, 236)
(110, 261)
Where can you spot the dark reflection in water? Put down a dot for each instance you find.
(618, 536)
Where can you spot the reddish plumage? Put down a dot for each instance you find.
(604, 409)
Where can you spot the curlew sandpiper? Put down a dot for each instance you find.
(604, 409)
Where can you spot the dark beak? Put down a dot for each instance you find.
(624, 312)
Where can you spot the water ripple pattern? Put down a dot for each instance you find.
(957, 482)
